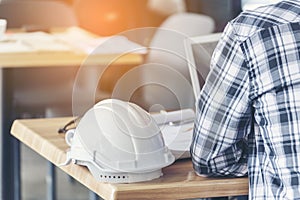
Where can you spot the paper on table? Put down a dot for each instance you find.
(70, 40)
(41, 41)
(73, 35)
(12, 46)
(165, 117)
(177, 130)
(114, 45)
(178, 139)
(29, 42)
(100, 45)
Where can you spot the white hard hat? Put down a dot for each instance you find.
(119, 142)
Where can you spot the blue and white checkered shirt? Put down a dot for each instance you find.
(248, 115)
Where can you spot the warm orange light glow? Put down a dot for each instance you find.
(103, 17)
(112, 16)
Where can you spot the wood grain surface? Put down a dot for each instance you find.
(178, 182)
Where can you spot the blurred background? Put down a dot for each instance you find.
(107, 17)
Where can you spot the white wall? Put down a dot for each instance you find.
(252, 4)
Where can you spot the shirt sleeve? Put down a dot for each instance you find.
(223, 116)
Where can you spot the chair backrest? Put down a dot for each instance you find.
(43, 13)
(171, 35)
(171, 86)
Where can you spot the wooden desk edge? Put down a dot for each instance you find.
(58, 59)
(188, 188)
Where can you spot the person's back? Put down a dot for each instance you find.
(248, 117)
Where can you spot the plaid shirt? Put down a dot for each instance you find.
(248, 112)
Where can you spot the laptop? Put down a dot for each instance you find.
(177, 126)
(198, 52)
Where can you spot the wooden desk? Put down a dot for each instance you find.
(179, 180)
(9, 152)
(75, 56)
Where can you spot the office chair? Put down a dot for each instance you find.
(166, 79)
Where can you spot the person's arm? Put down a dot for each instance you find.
(223, 116)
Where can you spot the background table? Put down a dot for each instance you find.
(179, 180)
(9, 152)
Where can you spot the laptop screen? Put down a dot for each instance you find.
(199, 51)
